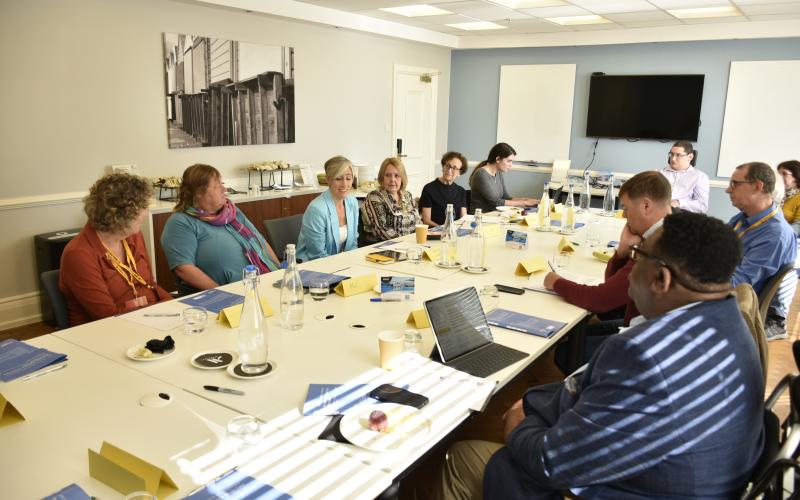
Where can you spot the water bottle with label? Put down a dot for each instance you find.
(449, 239)
(608, 199)
(568, 217)
(252, 326)
(544, 209)
(476, 244)
(291, 293)
(586, 194)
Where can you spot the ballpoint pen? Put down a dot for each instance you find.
(161, 315)
(45, 371)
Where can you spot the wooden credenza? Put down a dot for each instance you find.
(257, 211)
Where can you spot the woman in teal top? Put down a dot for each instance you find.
(330, 224)
(207, 240)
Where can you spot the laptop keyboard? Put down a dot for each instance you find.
(487, 360)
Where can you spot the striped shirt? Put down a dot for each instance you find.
(670, 408)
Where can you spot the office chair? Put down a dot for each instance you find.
(281, 232)
(748, 303)
(771, 288)
(58, 302)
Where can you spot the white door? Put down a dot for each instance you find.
(414, 123)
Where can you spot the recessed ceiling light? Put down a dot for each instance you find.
(528, 4)
(726, 11)
(573, 20)
(417, 10)
(479, 25)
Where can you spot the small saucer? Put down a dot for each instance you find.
(235, 371)
(445, 266)
(133, 353)
(477, 270)
(213, 360)
(561, 231)
(544, 229)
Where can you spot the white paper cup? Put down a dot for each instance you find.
(390, 345)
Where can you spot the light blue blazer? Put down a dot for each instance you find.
(319, 235)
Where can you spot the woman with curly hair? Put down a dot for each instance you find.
(105, 270)
(207, 239)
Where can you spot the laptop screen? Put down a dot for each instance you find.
(458, 323)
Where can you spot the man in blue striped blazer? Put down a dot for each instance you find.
(669, 408)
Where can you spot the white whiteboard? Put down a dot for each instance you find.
(762, 114)
(534, 113)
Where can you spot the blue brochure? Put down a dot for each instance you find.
(71, 492)
(523, 323)
(213, 300)
(334, 399)
(234, 484)
(557, 223)
(18, 359)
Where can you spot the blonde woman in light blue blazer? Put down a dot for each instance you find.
(330, 223)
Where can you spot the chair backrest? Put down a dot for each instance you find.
(748, 303)
(771, 288)
(57, 300)
(281, 232)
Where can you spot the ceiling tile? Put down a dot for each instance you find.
(533, 26)
(759, 2)
(596, 27)
(651, 24)
(452, 19)
(689, 4)
(774, 17)
(715, 20)
(567, 10)
(629, 17)
(484, 11)
(774, 8)
(612, 6)
(351, 5)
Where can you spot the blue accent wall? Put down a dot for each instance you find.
(475, 82)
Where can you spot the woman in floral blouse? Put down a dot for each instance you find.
(389, 212)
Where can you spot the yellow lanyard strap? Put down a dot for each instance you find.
(128, 272)
(755, 224)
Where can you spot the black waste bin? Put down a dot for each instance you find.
(49, 247)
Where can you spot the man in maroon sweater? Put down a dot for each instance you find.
(646, 197)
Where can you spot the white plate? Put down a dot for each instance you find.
(211, 364)
(506, 208)
(131, 353)
(479, 270)
(408, 427)
(454, 266)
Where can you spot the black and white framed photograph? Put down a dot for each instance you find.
(227, 93)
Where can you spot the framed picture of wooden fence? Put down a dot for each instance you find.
(227, 93)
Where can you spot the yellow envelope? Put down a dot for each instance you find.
(230, 316)
(418, 318)
(531, 220)
(8, 413)
(565, 246)
(433, 253)
(604, 256)
(530, 266)
(356, 285)
(127, 473)
(619, 215)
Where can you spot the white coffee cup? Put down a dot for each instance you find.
(390, 344)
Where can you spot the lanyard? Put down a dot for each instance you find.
(127, 271)
(755, 224)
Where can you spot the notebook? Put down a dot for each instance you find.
(463, 337)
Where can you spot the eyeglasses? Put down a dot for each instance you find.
(637, 253)
(734, 184)
(453, 169)
(679, 155)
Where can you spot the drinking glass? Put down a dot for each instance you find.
(414, 255)
(593, 233)
(244, 430)
(560, 259)
(194, 320)
(489, 297)
(319, 289)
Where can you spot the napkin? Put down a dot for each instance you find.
(8, 413)
(565, 246)
(530, 220)
(604, 256)
(492, 230)
(530, 266)
(356, 285)
(230, 316)
(433, 253)
(418, 318)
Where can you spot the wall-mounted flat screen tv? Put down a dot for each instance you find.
(645, 106)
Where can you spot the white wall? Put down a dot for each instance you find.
(84, 88)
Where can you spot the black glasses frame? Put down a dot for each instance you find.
(636, 251)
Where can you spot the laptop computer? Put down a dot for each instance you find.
(463, 337)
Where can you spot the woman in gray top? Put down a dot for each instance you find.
(487, 184)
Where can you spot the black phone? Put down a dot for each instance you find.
(509, 289)
(388, 393)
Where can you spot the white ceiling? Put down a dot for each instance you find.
(623, 14)
(632, 21)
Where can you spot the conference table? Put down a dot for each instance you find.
(95, 398)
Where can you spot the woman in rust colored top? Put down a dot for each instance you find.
(105, 269)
